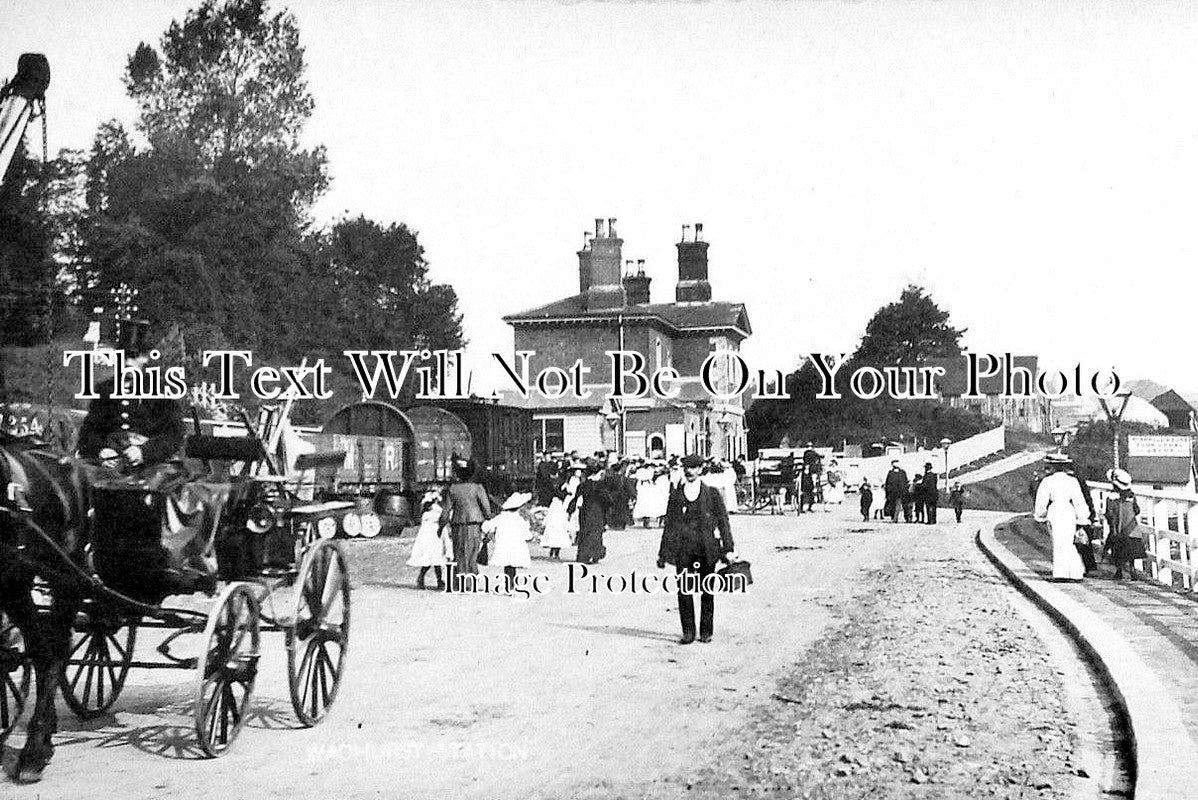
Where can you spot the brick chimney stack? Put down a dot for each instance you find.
(604, 289)
(584, 263)
(692, 268)
(636, 285)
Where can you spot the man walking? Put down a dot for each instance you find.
(466, 508)
(696, 537)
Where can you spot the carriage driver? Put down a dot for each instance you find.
(130, 434)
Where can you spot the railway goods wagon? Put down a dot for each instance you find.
(500, 434)
(440, 436)
(380, 447)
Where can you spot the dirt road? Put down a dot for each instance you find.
(557, 695)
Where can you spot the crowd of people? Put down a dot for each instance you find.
(467, 524)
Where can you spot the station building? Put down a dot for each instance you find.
(613, 310)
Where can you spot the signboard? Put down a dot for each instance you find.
(1159, 446)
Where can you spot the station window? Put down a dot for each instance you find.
(550, 435)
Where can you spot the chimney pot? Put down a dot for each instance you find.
(698, 231)
(598, 228)
(611, 227)
(685, 230)
(640, 266)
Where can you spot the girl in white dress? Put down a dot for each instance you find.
(511, 533)
(556, 536)
(431, 548)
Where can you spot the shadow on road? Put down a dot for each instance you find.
(638, 633)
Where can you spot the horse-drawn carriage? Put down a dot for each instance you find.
(102, 568)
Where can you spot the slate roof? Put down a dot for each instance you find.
(678, 317)
(1171, 401)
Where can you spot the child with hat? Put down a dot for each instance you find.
(431, 548)
(1123, 543)
(511, 533)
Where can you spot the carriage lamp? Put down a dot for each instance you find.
(327, 528)
(352, 525)
(261, 519)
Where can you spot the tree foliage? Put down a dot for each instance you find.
(382, 280)
(36, 224)
(900, 333)
(205, 205)
(909, 330)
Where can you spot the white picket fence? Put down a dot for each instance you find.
(1171, 527)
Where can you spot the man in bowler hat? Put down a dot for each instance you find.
(695, 538)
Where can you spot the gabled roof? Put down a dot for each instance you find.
(1171, 401)
(955, 380)
(676, 317)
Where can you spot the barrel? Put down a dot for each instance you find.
(394, 504)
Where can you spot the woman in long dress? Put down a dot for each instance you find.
(556, 535)
(592, 504)
(571, 488)
(1059, 502)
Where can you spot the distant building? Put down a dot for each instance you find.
(613, 311)
(1024, 413)
(1177, 410)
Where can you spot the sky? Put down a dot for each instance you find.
(1033, 165)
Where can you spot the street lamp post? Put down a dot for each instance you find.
(1115, 417)
(944, 443)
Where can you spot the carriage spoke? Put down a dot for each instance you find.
(228, 670)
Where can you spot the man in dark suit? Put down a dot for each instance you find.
(465, 509)
(695, 538)
(129, 434)
(929, 485)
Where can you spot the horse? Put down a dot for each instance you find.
(44, 529)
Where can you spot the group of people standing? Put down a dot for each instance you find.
(916, 498)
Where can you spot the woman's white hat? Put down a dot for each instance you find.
(516, 501)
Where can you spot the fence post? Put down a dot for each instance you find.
(1160, 522)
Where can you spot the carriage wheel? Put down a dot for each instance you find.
(15, 674)
(227, 668)
(95, 670)
(317, 643)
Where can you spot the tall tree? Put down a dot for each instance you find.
(27, 233)
(387, 300)
(899, 333)
(209, 220)
(906, 331)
